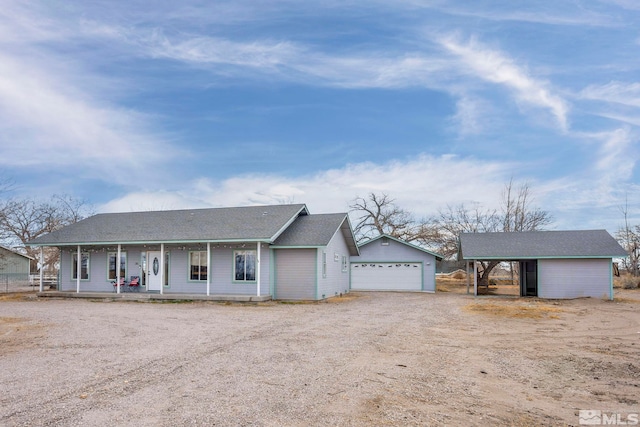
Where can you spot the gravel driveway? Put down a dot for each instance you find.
(368, 359)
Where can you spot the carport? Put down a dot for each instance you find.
(553, 264)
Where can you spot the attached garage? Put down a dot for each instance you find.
(389, 264)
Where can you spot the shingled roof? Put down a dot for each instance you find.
(317, 231)
(540, 244)
(252, 223)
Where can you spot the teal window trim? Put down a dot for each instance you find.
(234, 273)
(202, 255)
(74, 265)
(123, 256)
(345, 264)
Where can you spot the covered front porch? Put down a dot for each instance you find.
(226, 270)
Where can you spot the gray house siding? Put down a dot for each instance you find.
(394, 251)
(14, 266)
(574, 278)
(335, 281)
(295, 274)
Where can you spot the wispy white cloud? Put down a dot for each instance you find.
(54, 110)
(293, 62)
(470, 116)
(615, 92)
(493, 66)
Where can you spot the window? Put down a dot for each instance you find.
(344, 263)
(244, 269)
(84, 266)
(112, 265)
(198, 265)
(324, 264)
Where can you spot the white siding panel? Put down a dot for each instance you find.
(386, 276)
(574, 278)
(295, 274)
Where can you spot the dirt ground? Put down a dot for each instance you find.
(365, 359)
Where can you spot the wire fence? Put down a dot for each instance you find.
(25, 282)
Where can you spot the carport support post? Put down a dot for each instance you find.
(475, 278)
(258, 270)
(208, 268)
(468, 278)
(41, 269)
(78, 270)
(118, 268)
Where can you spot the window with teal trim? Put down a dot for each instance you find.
(198, 265)
(84, 266)
(112, 265)
(244, 267)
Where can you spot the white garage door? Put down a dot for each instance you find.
(386, 276)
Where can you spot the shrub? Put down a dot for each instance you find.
(630, 282)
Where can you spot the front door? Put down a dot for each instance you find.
(154, 273)
(529, 278)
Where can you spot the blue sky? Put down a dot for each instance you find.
(165, 105)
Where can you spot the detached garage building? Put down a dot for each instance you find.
(389, 264)
(553, 264)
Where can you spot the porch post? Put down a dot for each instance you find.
(41, 269)
(208, 268)
(78, 270)
(468, 278)
(258, 270)
(118, 268)
(161, 268)
(475, 278)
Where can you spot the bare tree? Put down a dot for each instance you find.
(378, 214)
(22, 220)
(629, 238)
(515, 214)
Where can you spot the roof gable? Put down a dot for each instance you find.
(317, 231)
(403, 242)
(262, 223)
(16, 253)
(540, 244)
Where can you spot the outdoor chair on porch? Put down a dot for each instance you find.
(122, 285)
(134, 284)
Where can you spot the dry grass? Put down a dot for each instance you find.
(17, 296)
(626, 300)
(514, 309)
(343, 298)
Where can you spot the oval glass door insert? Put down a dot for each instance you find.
(156, 266)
